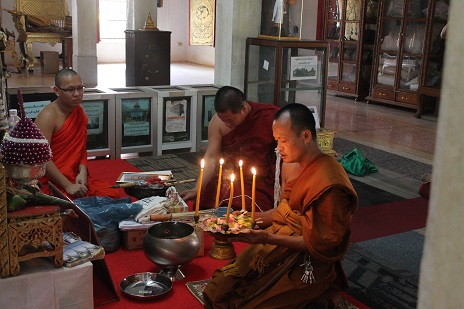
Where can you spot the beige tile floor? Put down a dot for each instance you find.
(388, 128)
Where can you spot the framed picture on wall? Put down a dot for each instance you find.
(202, 22)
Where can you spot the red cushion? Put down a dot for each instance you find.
(34, 210)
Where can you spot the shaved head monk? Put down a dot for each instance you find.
(239, 130)
(296, 260)
(64, 124)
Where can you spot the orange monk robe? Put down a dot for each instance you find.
(69, 149)
(253, 143)
(318, 205)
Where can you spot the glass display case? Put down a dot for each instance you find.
(280, 72)
(434, 50)
(281, 19)
(350, 29)
(403, 27)
(136, 111)
(99, 106)
(176, 118)
(205, 111)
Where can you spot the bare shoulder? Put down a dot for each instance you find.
(47, 119)
(289, 172)
(218, 127)
(48, 113)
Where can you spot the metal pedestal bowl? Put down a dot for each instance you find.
(25, 174)
(171, 245)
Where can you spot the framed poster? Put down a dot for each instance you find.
(202, 22)
(303, 67)
(95, 115)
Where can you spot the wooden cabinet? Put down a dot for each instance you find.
(400, 63)
(148, 57)
(350, 29)
(434, 50)
(286, 71)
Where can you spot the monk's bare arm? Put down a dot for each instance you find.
(212, 155)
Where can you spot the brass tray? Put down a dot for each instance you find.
(145, 286)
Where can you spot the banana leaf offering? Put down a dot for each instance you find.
(28, 196)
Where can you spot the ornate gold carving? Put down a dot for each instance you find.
(325, 141)
(202, 17)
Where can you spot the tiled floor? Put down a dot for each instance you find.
(388, 128)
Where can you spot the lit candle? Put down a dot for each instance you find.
(221, 162)
(242, 184)
(253, 194)
(232, 177)
(200, 181)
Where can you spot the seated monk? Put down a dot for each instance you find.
(64, 124)
(240, 130)
(296, 260)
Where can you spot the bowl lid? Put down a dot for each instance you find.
(146, 286)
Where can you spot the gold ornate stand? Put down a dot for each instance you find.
(222, 249)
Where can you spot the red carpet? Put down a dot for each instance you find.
(368, 223)
(110, 170)
(388, 219)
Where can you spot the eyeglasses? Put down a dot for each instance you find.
(71, 91)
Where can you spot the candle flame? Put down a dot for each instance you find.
(232, 178)
(240, 163)
(221, 161)
(202, 163)
(253, 170)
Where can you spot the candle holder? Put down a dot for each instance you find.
(221, 249)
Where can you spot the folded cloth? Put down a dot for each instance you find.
(355, 163)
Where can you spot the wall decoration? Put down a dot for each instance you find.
(202, 22)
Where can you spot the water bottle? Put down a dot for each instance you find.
(13, 119)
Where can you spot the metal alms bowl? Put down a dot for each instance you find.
(170, 245)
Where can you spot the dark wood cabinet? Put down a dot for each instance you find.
(434, 50)
(406, 44)
(350, 29)
(148, 57)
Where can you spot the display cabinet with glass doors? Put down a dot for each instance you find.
(428, 92)
(399, 58)
(350, 29)
(280, 72)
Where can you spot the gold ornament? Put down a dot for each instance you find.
(149, 24)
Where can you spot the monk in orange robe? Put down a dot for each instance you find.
(240, 130)
(64, 124)
(296, 260)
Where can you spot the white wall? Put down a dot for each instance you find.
(174, 17)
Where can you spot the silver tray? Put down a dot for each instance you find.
(145, 286)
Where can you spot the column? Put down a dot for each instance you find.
(233, 26)
(441, 282)
(84, 29)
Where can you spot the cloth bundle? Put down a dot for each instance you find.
(355, 163)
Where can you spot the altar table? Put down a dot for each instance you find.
(41, 285)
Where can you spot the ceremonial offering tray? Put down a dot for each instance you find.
(237, 224)
(145, 286)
